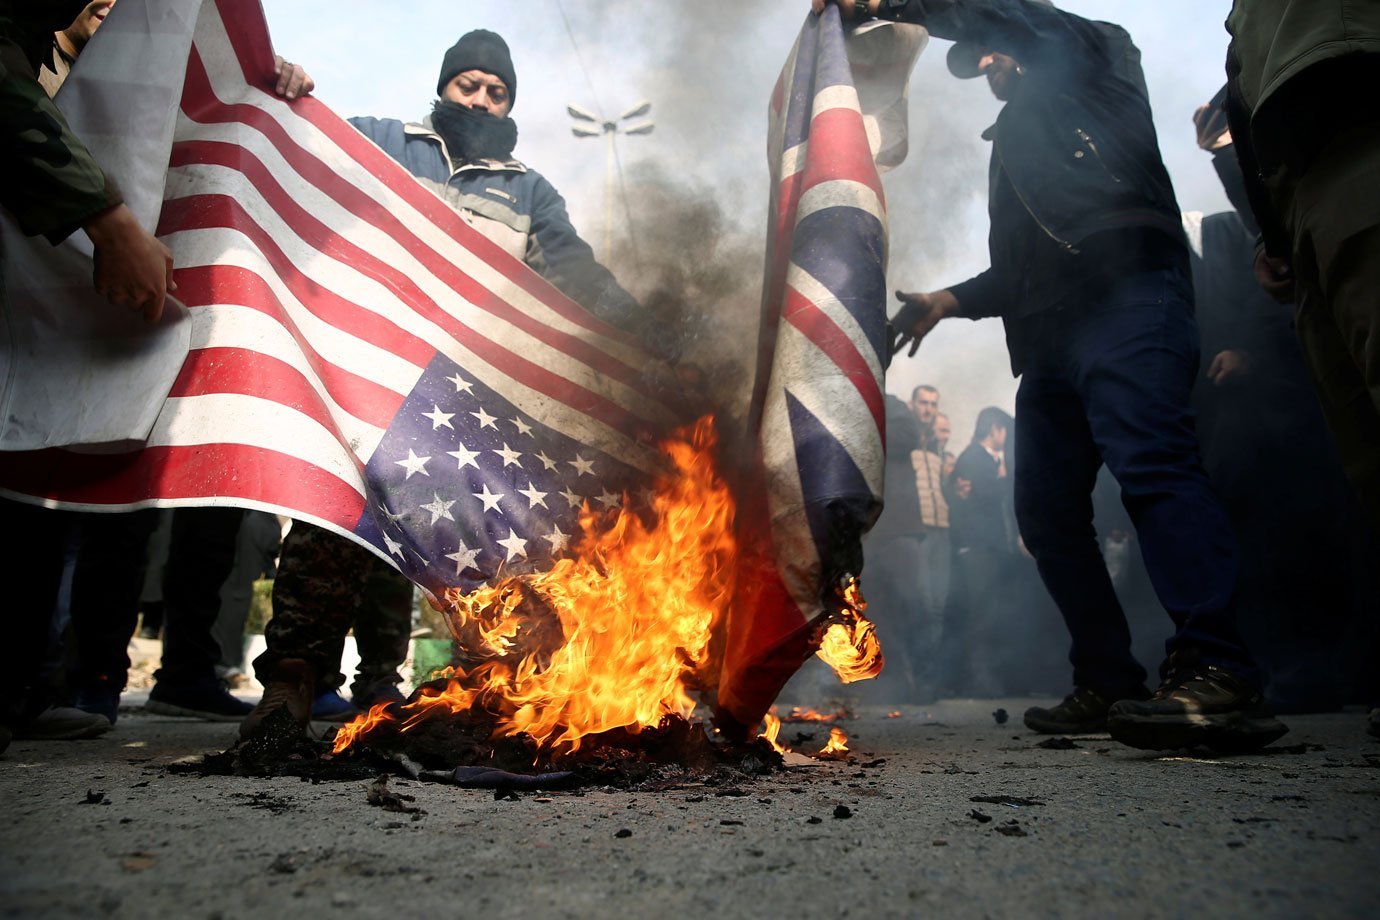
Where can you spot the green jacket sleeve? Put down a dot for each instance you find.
(52, 184)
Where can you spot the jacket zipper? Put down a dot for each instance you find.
(1085, 138)
(1065, 244)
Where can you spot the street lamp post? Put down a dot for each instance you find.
(589, 124)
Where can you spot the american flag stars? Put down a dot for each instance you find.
(439, 418)
(413, 464)
(463, 557)
(510, 456)
(489, 499)
(465, 456)
(495, 507)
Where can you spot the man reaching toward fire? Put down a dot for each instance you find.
(1090, 276)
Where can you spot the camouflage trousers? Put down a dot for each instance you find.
(327, 585)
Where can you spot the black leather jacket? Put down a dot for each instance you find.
(1074, 152)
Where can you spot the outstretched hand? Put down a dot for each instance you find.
(918, 315)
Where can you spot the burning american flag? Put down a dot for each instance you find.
(354, 354)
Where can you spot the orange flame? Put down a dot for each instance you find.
(837, 746)
(609, 637)
(850, 645)
(810, 714)
(772, 728)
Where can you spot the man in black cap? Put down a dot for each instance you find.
(1090, 276)
(464, 152)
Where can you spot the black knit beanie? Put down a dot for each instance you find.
(479, 50)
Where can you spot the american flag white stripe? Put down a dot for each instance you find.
(228, 418)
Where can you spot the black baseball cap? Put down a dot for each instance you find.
(964, 57)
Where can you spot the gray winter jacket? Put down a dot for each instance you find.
(513, 206)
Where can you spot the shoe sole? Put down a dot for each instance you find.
(1230, 733)
(158, 707)
(1049, 727)
(76, 734)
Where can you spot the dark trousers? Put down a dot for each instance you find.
(32, 570)
(980, 637)
(201, 554)
(1109, 382)
(105, 593)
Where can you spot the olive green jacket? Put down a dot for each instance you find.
(1299, 72)
(52, 185)
(1276, 40)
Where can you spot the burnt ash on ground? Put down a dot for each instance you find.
(676, 753)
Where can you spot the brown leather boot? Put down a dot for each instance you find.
(292, 686)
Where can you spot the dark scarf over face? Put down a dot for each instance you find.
(473, 134)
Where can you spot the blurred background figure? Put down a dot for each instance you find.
(978, 493)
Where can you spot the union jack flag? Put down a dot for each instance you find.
(817, 408)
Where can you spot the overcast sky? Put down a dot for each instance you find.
(708, 67)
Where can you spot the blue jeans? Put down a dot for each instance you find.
(1109, 382)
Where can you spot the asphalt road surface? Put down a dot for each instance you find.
(100, 829)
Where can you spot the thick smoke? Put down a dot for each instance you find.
(699, 271)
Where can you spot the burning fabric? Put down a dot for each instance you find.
(598, 587)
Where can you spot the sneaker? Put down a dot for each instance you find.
(290, 689)
(330, 706)
(100, 697)
(1083, 712)
(1373, 723)
(209, 701)
(62, 723)
(366, 699)
(1196, 704)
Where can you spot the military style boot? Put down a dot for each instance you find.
(290, 688)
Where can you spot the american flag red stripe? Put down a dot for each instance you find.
(237, 474)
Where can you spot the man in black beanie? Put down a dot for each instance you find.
(464, 152)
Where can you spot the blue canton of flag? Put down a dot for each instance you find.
(464, 486)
